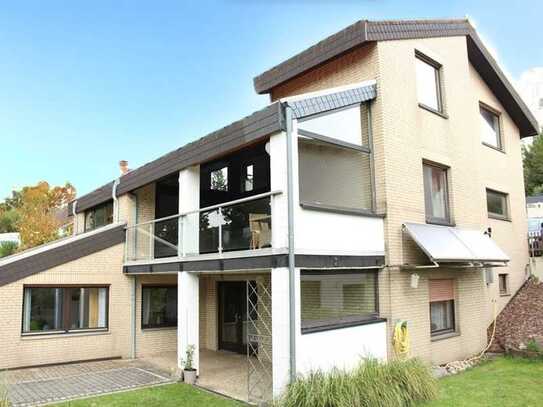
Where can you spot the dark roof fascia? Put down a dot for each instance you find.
(252, 128)
(363, 32)
(489, 70)
(56, 256)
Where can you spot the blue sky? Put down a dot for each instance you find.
(86, 84)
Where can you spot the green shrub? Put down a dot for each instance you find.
(533, 346)
(4, 402)
(7, 248)
(372, 383)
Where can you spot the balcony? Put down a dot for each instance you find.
(240, 225)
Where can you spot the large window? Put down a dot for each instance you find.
(332, 298)
(428, 82)
(99, 216)
(490, 127)
(159, 307)
(442, 313)
(496, 203)
(64, 309)
(436, 196)
(334, 152)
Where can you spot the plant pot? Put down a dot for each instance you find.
(189, 376)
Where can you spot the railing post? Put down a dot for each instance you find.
(151, 241)
(180, 245)
(220, 228)
(126, 244)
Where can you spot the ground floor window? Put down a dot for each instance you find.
(64, 309)
(337, 298)
(442, 312)
(159, 306)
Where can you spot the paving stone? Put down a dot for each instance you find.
(36, 386)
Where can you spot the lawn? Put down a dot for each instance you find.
(160, 396)
(502, 382)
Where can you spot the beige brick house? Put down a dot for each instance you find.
(382, 185)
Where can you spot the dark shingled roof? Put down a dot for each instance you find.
(54, 254)
(251, 128)
(364, 31)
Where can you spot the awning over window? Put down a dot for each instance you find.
(444, 244)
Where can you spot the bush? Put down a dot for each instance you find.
(7, 248)
(4, 402)
(395, 383)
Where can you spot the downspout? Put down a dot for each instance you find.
(115, 200)
(133, 316)
(291, 257)
(74, 214)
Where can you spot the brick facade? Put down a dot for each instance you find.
(404, 136)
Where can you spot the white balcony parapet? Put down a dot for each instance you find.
(239, 225)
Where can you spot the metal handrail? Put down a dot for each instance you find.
(209, 208)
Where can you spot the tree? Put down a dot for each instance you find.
(8, 220)
(533, 166)
(35, 210)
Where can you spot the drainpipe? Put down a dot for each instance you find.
(115, 200)
(74, 206)
(133, 316)
(291, 257)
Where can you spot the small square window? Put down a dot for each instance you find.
(504, 289)
(248, 181)
(436, 194)
(490, 128)
(496, 203)
(219, 179)
(428, 82)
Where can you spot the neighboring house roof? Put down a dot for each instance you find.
(534, 199)
(251, 128)
(364, 32)
(41, 258)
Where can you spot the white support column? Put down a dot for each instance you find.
(189, 200)
(280, 329)
(278, 182)
(188, 316)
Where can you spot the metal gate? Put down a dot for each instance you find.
(259, 341)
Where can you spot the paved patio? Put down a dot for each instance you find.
(43, 385)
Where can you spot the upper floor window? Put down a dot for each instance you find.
(99, 216)
(490, 127)
(436, 195)
(334, 155)
(428, 82)
(496, 203)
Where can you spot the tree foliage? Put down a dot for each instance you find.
(533, 166)
(32, 211)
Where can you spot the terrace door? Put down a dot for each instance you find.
(233, 316)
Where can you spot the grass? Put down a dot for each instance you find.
(396, 383)
(178, 394)
(504, 382)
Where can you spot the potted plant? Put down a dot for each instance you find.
(189, 372)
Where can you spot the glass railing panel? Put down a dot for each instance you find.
(210, 223)
(166, 237)
(247, 225)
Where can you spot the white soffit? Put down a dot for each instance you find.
(444, 244)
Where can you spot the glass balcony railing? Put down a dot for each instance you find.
(244, 224)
